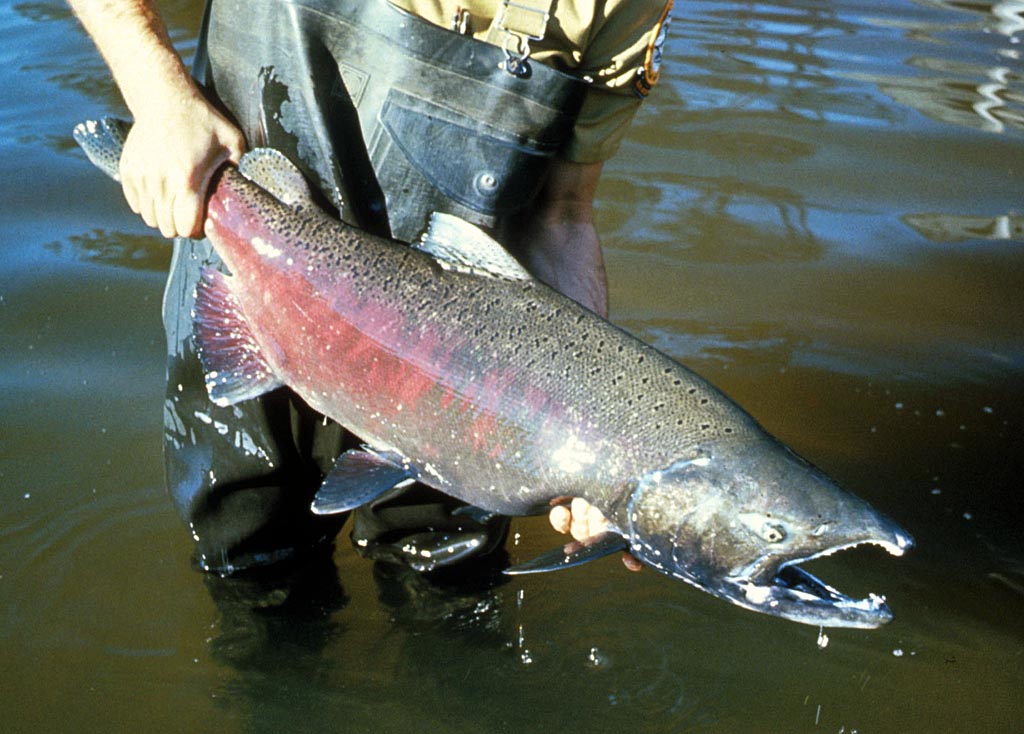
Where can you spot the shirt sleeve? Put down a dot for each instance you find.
(622, 58)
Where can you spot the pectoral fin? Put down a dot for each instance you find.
(358, 477)
(233, 363)
(572, 554)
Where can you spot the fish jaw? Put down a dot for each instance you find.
(790, 592)
(736, 520)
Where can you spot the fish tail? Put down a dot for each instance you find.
(103, 141)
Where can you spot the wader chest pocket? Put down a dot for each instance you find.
(435, 152)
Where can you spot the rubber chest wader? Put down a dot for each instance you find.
(393, 118)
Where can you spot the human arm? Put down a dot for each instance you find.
(178, 139)
(555, 238)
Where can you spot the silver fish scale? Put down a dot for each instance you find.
(633, 408)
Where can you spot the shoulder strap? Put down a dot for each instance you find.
(514, 26)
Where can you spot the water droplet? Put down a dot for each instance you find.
(822, 638)
(597, 659)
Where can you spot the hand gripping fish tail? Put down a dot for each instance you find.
(459, 370)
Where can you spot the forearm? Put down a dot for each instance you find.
(566, 254)
(179, 139)
(556, 238)
(133, 40)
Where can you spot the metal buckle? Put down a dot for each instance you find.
(516, 60)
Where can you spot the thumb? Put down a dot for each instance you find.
(234, 146)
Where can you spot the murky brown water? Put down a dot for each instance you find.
(820, 210)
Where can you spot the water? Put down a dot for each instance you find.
(819, 209)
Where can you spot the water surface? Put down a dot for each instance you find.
(819, 209)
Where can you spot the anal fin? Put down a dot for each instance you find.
(233, 363)
(572, 554)
(356, 478)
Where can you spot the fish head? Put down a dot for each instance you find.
(736, 519)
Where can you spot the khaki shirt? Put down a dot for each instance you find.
(615, 44)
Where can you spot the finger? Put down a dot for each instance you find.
(129, 181)
(194, 208)
(596, 522)
(631, 562)
(147, 209)
(131, 195)
(188, 214)
(229, 151)
(164, 208)
(236, 149)
(580, 509)
(560, 518)
(207, 225)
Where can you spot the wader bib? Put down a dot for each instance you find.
(391, 118)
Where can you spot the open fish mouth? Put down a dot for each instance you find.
(796, 595)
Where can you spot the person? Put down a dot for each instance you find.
(502, 113)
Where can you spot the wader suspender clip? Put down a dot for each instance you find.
(514, 26)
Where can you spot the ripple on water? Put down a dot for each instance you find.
(55, 549)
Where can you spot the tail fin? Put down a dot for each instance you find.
(103, 142)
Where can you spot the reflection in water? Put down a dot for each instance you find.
(102, 247)
(463, 599)
(990, 108)
(777, 58)
(272, 629)
(756, 95)
(1009, 20)
(688, 341)
(44, 11)
(952, 228)
(75, 69)
(977, 96)
(284, 637)
(716, 220)
(278, 616)
(960, 90)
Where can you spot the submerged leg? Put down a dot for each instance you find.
(242, 477)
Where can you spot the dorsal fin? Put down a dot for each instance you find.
(458, 245)
(272, 171)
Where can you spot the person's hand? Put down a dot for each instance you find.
(582, 520)
(169, 158)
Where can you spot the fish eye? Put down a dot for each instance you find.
(773, 533)
(764, 526)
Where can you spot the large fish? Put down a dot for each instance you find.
(459, 370)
